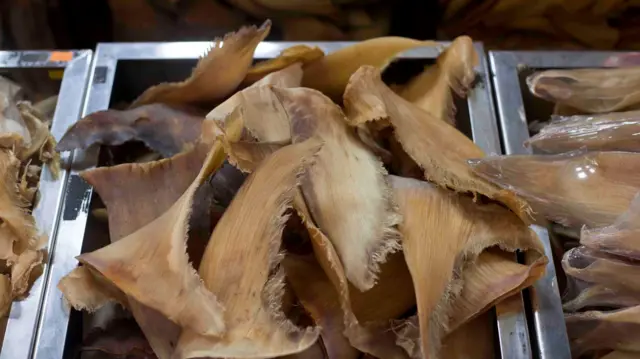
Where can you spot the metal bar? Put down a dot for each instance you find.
(513, 334)
(53, 331)
(551, 337)
(25, 315)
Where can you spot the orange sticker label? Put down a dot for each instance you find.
(61, 56)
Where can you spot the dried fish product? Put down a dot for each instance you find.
(164, 129)
(617, 131)
(598, 267)
(589, 90)
(437, 147)
(447, 239)
(573, 189)
(454, 72)
(620, 238)
(341, 64)
(217, 74)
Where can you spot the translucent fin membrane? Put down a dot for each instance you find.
(621, 238)
(617, 131)
(599, 295)
(589, 90)
(598, 267)
(573, 189)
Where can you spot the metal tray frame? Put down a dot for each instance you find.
(52, 336)
(24, 317)
(551, 337)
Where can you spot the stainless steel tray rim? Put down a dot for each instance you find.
(25, 315)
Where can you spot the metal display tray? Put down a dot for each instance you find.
(68, 72)
(122, 71)
(517, 108)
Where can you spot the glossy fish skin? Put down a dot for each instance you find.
(616, 131)
(599, 295)
(600, 90)
(573, 189)
(621, 238)
(592, 266)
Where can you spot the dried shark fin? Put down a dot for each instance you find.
(589, 90)
(258, 109)
(594, 330)
(375, 334)
(341, 64)
(368, 320)
(42, 141)
(124, 188)
(302, 54)
(246, 156)
(152, 261)
(437, 147)
(372, 331)
(599, 295)
(454, 72)
(616, 131)
(598, 267)
(13, 130)
(241, 265)
(216, 75)
(493, 277)
(165, 129)
(18, 227)
(85, 290)
(20, 244)
(25, 270)
(346, 180)
(621, 238)
(572, 189)
(320, 299)
(444, 234)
